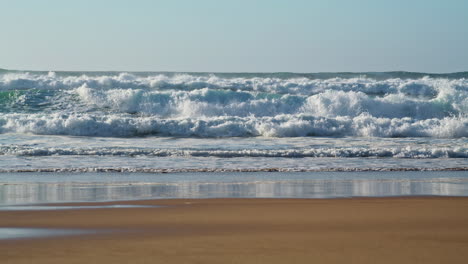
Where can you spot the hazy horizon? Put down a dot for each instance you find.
(233, 72)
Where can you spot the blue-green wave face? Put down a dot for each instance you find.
(389, 104)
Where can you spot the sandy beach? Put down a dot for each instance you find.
(363, 230)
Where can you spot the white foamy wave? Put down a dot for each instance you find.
(125, 125)
(217, 170)
(122, 105)
(406, 152)
(196, 103)
(208, 102)
(422, 87)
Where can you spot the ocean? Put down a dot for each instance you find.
(167, 122)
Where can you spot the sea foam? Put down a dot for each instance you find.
(216, 105)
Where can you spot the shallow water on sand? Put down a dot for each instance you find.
(34, 153)
(19, 233)
(34, 188)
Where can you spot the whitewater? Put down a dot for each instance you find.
(165, 121)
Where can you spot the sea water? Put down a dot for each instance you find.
(34, 188)
(235, 122)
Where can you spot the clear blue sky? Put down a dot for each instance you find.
(235, 35)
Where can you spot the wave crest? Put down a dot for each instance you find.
(279, 126)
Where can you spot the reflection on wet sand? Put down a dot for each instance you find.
(31, 193)
(18, 233)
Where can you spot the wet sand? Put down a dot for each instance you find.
(362, 230)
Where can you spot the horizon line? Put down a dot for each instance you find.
(237, 72)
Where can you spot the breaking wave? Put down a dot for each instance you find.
(363, 125)
(215, 170)
(351, 152)
(239, 105)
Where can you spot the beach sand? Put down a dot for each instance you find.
(363, 230)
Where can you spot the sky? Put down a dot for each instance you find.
(235, 35)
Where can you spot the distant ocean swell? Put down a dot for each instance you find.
(234, 105)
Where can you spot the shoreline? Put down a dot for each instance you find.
(96, 187)
(426, 229)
